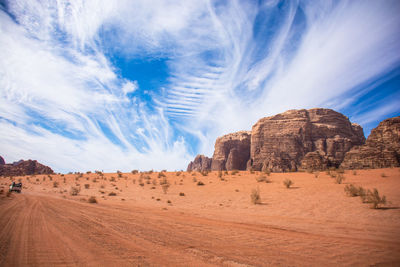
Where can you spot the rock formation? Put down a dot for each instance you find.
(24, 167)
(200, 163)
(231, 151)
(284, 142)
(296, 139)
(2, 162)
(381, 150)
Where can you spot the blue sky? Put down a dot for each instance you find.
(148, 84)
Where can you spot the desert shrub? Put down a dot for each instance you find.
(261, 178)
(353, 191)
(204, 173)
(161, 174)
(119, 175)
(267, 171)
(112, 194)
(92, 199)
(339, 178)
(55, 184)
(87, 186)
(178, 173)
(181, 194)
(234, 172)
(219, 174)
(288, 183)
(375, 199)
(65, 180)
(251, 172)
(112, 179)
(154, 181)
(383, 175)
(44, 179)
(134, 171)
(194, 179)
(165, 188)
(88, 172)
(316, 174)
(8, 194)
(255, 196)
(200, 183)
(354, 172)
(169, 201)
(164, 185)
(74, 191)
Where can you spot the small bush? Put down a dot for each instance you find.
(316, 174)
(375, 199)
(112, 194)
(353, 191)
(234, 172)
(354, 172)
(55, 184)
(383, 175)
(194, 179)
(92, 199)
(288, 183)
(181, 194)
(161, 174)
(204, 173)
(112, 179)
(8, 194)
(200, 183)
(178, 173)
(262, 178)
(267, 171)
(74, 191)
(134, 171)
(255, 196)
(219, 174)
(87, 186)
(339, 178)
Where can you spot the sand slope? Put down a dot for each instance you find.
(312, 224)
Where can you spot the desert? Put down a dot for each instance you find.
(198, 133)
(135, 223)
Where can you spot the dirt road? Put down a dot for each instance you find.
(39, 230)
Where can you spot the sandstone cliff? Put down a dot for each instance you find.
(381, 150)
(296, 139)
(24, 167)
(200, 163)
(231, 152)
(282, 142)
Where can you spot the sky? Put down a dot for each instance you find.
(148, 84)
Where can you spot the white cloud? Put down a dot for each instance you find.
(223, 78)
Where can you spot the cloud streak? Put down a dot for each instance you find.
(229, 63)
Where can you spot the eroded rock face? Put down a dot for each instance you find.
(282, 142)
(24, 167)
(232, 151)
(2, 162)
(381, 150)
(200, 163)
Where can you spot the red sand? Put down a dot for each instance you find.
(312, 224)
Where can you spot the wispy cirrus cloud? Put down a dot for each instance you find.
(228, 63)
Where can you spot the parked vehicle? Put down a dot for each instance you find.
(15, 187)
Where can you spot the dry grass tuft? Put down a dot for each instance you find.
(74, 191)
(288, 183)
(339, 178)
(375, 199)
(255, 196)
(112, 194)
(92, 199)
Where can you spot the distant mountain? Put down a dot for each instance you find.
(23, 167)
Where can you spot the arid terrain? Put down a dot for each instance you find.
(313, 223)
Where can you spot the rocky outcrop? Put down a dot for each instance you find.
(24, 167)
(2, 162)
(381, 150)
(296, 139)
(231, 151)
(200, 163)
(283, 142)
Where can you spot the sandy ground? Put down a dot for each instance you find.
(313, 223)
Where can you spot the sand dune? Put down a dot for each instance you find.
(312, 224)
